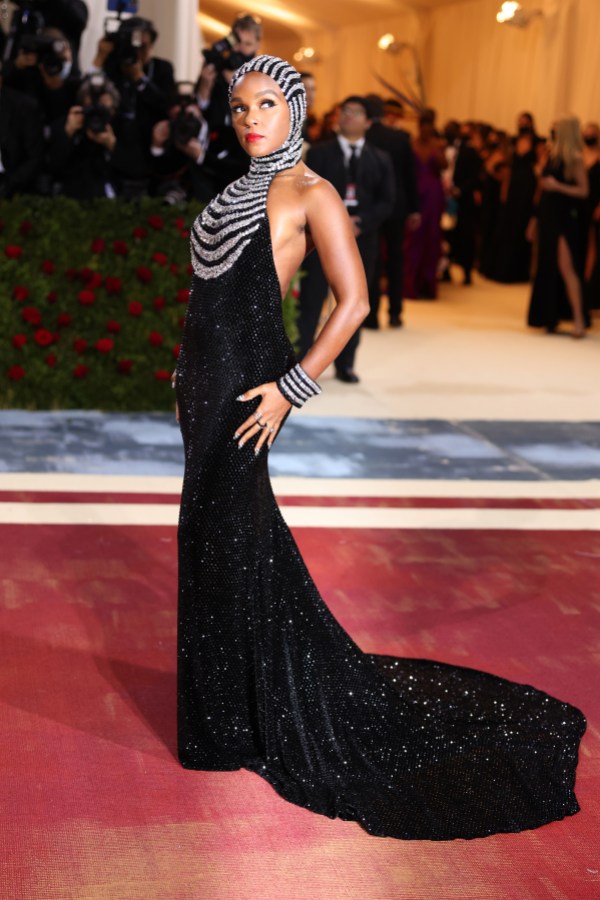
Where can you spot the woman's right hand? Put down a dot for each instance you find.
(206, 82)
(267, 418)
(103, 51)
(26, 59)
(75, 120)
(549, 183)
(161, 134)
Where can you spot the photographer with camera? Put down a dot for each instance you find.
(21, 142)
(84, 149)
(70, 17)
(146, 86)
(126, 56)
(178, 149)
(226, 160)
(43, 69)
(32, 16)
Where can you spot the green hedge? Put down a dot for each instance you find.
(92, 302)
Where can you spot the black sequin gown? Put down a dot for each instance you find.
(509, 261)
(591, 286)
(267, 678)
(558, 216)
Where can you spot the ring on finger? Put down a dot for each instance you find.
(257, 415)
(271, 431)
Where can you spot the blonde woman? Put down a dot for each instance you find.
(561, 217)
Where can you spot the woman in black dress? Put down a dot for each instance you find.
(509, 261)
(591, 159)
(561, 218)
(268, 680)
(494, 190)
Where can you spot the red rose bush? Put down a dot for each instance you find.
(94, 302)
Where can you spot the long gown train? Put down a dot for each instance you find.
(269, 681)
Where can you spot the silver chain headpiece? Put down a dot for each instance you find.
(225, 227)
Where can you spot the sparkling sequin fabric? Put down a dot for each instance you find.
(267, 678)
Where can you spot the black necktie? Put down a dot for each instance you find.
(353, 165)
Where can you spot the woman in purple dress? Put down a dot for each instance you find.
(423, 246)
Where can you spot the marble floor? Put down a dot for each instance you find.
(310, 446)
(463, 391)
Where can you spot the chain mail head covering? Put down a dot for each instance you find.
(225, 227)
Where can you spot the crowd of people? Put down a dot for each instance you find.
(421, 197)
(517, 207)
(123, 128)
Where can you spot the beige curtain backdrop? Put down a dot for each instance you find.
(475, 68)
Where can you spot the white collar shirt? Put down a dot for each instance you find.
(347, 147)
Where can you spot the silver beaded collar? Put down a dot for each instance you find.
(225, 227)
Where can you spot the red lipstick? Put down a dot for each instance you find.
(252, 137)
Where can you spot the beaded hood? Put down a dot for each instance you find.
(224, 229)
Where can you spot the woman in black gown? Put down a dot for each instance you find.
(268, 680)
(591, 159)
(494, 190)
(561, 233)
(510, 259)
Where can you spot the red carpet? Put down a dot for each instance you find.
(95, 804)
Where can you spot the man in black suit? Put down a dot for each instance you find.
(21, 142)
(364, 179)
(406, 210)
(467, 183)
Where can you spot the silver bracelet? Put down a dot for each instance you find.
(297, 387)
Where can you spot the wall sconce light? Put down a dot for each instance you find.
(512, 13)
(388, 42)
(307, 54)
(413, 93)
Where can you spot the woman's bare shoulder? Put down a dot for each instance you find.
(303, 190)
(303, 182)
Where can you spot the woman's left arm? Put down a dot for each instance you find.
(331, 231)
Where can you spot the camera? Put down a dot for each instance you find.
(96, 116)
(128, 45)
(49, 51)
(127, 42)
(186, 125)
(127, 35)
(27, 21)
(222, 55)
